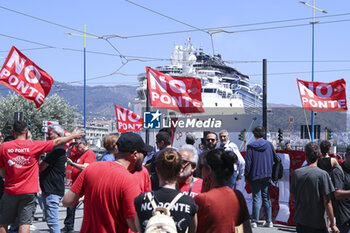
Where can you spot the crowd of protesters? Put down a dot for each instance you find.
(199, 185)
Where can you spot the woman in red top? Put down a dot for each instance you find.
(220, 209)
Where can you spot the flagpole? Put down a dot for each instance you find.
(85, 36)
(147, 110)
(85, 78)
(313, 56)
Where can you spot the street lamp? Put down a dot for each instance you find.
(313, 54)
(95, 37)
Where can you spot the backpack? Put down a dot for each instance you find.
(161, 220)
(277, 167)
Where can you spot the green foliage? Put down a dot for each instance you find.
(54, 108)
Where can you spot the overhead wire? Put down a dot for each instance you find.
(103, 76)
(148, 59)
(126, 60)
(228, 32)
(125, 57)
(166, 16)
(250, 75)
(28, 49)
(176, 20)
(222, 27)
(25, 40)
(62, 26)
(301, 72)
(184, 31)
(46, 21)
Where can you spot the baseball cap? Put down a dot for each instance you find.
(129, 142)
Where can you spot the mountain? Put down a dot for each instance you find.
(100, 100)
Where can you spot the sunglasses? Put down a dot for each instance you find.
(211, 139)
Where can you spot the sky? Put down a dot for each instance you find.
(40, 29)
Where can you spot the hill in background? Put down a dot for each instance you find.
(100, 103)
(100, 100)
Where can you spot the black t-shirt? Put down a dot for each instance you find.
(182, 212)
(325, 164)
(341, 181)
(52, 178)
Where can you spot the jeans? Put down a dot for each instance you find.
(51, 204)
(69, 220)
(260, 188)
(231, 182)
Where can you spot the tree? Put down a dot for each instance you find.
(54, 108)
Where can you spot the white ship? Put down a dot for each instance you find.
(225, 91)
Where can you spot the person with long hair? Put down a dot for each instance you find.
(220, 209)
(168, 167)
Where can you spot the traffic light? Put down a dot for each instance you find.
(28, 122)
(329, 134)
(241, 135)
(280, 135)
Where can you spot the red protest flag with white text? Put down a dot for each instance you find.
(181, 94)
(128, 120)
(24, 77)
(323, 97)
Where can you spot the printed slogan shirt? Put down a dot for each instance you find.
(182, 212)
(20, 159)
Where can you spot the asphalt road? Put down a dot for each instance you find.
(40, 226)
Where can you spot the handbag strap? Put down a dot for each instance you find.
(178, 196)
(151, 198)
(172, 203)
(191, 186)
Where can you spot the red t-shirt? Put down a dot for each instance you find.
(142, 177)
(88, 157)
(20, 159)
(109, 190)
(220, 210)
(196, 187)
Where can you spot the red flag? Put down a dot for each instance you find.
(181, 94)
(323, 97)
(128, 120)
(24, 77)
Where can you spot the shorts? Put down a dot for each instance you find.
(306, 229)
(22, 206)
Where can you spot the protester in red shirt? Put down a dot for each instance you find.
(19, 165)
(109, 188)
(78, 163)
(143, 179)
(189, 184)
(220, 209)
(85, 158)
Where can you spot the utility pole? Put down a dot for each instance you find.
(265, 97)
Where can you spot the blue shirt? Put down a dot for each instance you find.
(108, 157)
